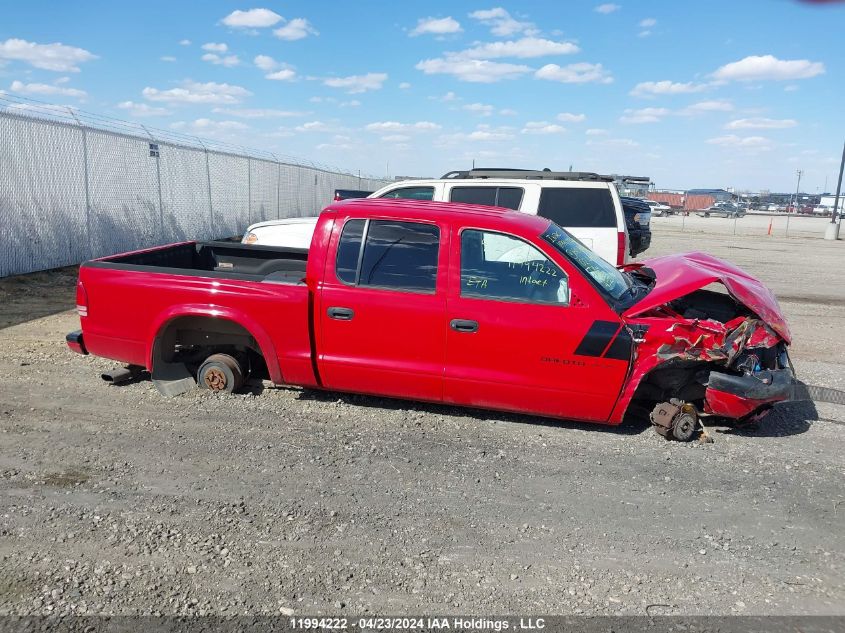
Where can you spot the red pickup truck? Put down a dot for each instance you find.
(461, 304)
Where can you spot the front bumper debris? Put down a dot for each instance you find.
(739, 396)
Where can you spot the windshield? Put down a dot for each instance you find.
(605, 276)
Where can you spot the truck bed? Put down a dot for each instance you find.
(216, 259)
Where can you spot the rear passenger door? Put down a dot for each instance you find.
(588, 211)
(382, 309)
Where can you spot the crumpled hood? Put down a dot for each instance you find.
(679, 275)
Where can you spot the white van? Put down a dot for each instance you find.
(585, 204)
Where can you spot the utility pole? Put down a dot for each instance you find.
(832, 232)
(794, 202)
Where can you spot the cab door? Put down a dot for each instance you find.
(382, 307)
(528, 334)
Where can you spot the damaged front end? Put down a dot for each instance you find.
(712, 342)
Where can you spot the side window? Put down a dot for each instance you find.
(399, 255)
(573, 207)
(346, 265)
(503, 267)
(411, 193)
(508, 197)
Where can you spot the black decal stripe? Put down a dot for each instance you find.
(620, 349)
(597, 338)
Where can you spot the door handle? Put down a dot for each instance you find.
(463, 325)
(341, 314)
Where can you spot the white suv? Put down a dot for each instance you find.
(585, 204)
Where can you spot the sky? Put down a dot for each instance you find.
(711, 94)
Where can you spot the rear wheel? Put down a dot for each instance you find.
(220, 372)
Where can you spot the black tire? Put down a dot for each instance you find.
(220, 372)
(706, 215)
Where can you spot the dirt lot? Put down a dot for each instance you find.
(116, 500)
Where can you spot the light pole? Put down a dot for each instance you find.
(794, 202)
(832, 232)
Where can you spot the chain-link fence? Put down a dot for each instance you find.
(74, 186)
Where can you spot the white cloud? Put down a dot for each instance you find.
(396, 126)
(352, 103)
(615, 143)
(404, 85)
(184, 42)
(568, 117)
(355, 84)
(508, 112)
(214, 47)
(56, 57)
(210, 127)
(644, 115)
(542, 127)
(258, 113)
(501, 23)
(436, 26)
(472, 70)
(575, 73)
(760, 123)
(523, 48)
(760, 143)
(313, 126)
(763, 67)
(596, 131)
(265, 62)
(142, 109)
(285, 74)
(607, 8)
(707, 106)
(296, 29)
(195, 92)
(167, 58)
(396, 138)
(253, 18)
(653, 88)
(479, 108)
(482, 133)
(648, 23)
(46, 90)
(449, 96)
(229, 61)
(790, 88)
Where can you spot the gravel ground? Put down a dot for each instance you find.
(115, 500)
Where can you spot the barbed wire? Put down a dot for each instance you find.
(18, 105)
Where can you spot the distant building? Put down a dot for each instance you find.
(719, 195)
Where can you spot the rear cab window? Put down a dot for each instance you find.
(411, 193)
(388, 254)
(508, 197)
(578, 207)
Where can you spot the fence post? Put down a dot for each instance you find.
(278, 186)
(85, 181)
(248, 191)
(211, 232)
(158, 178)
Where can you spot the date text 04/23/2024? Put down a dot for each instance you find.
(418, 623)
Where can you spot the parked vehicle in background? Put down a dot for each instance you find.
(659, 209)
(348, 194)
(585, 204)
(638, 221)
(723, 210)
(289, 232)
(459, 304)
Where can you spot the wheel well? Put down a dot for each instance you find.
(684, 379)
(188, 340)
